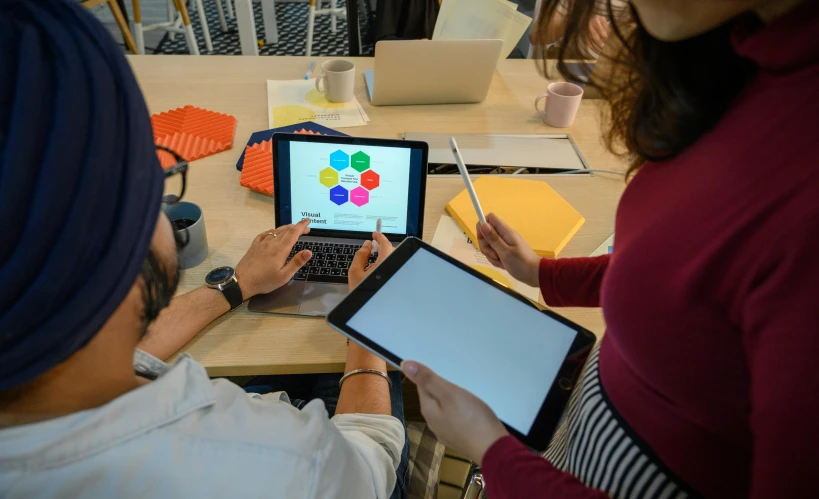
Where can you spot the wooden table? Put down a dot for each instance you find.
(244, 343)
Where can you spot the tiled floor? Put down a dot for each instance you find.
(153, 11)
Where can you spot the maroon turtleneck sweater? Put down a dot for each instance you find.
(711, 296)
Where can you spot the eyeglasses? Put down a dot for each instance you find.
(180, 234)
(180, 167)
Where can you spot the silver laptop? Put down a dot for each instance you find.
(344, 185)
(432, 72)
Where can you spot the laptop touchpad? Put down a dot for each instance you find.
(285, 300)
(320, 298)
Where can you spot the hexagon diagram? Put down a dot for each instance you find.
(338, 195)
(339, 160)
(361, 161)
(370, 180)
(359, 196)
(349, 179)
(328, 177)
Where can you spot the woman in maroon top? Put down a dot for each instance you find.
(705, 383)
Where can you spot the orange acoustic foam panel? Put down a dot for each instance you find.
(192, 132)
(257, 169)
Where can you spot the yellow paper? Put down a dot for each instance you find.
(542, 217)
(481, 20)
(451, 239)
(295, 101)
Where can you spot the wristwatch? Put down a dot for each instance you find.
(224, 279)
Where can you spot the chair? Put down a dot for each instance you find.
(459, 478)
(246, 23)
(173, 25)
(179, 17)
(230, 14)
(119, 18)
(334, 11)
(204, 20)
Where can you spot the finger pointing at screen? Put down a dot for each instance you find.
(358, 267)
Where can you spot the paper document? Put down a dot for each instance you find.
(481, 20)
(555, 151)
(605, 248)
(296, 101)
(450, 239)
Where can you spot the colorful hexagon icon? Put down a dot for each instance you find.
(370, 180)
(361, 161)
(328, 177)
(359, 196)
(338, 195)
(339, 160)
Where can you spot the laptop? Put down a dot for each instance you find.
(432, 72)
(344, 185)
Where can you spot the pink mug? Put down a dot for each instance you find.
(562, 101)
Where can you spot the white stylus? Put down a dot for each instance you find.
(377, 229)
(465, 175)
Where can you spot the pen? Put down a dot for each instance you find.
(465, 175)
(377, 229)
(310, 69)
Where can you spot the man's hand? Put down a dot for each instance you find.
(460, 420)
(358, 268)
(264, 267)
(506, 249)
(598, 32)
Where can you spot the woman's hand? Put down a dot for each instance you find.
(598, 32)
(358, 268)
(264, 267)
(504, 247)
(460, 420)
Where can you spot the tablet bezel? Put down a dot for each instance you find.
(558, 395)
(354, 141)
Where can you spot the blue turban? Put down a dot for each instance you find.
(80, 183)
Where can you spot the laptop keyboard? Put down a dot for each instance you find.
(330, 262)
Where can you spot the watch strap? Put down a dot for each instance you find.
(233, 293)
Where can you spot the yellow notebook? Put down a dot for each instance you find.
(531, 207)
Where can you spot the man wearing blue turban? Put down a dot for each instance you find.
(88, 261)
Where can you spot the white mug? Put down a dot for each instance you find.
(338, 78)
(562, 100)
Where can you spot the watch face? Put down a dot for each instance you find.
(219, 275)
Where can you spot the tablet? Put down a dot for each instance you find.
(420, 304)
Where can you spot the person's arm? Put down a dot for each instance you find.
(564, 282)
(512, 471)
(779, 319)
(186, 315)
(364, 418)
(572, 282)
(363, 413)
(263, 269)
(555, 29)
(365, 393)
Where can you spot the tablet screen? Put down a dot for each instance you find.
(504, 351)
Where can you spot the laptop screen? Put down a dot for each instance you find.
(345, 186)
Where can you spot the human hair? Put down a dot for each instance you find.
(158, 287)
(661, 96)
